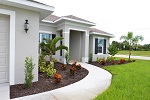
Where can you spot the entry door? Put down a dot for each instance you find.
(4, 49)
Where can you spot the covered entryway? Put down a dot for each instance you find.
(76, 45)
(4, 48)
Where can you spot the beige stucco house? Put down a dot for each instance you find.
(16, 44)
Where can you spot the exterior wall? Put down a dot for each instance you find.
(50, 29)
(92, 47)
(76, 45)
(66, 27)
(26, 43)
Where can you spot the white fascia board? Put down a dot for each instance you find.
(109, 35)
(46, 21)
(33, 4)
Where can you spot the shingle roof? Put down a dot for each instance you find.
(77, 18)
(98, 31)
(51, 18)
(54, 18)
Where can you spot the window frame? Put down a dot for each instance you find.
(98, 53)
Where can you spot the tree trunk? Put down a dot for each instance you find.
(51, 56)
(130, 52)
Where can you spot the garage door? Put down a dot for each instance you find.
(4, 49)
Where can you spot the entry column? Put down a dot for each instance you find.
(86, 47)
(66, 36)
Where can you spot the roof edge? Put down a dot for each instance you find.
(96, 33)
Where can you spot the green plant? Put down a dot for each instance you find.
(54, 60)
(99, 60)
(67, 56)
(49, 48)
(29, 66)
(110, 59)
(78, 67)
(50, 71)
(42, 64)
(90, 57)
(131, 40)
(112, 50)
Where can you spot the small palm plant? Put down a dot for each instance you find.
(49, 46)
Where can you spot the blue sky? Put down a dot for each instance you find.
(114, 16)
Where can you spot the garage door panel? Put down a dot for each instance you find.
(4, 47)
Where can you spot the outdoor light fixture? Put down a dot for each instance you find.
(26, 26)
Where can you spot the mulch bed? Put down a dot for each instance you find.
(46, 84)
(117, 62)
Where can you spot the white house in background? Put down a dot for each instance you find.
(16, 44)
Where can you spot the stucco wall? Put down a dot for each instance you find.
(26, 44)
(92, 46)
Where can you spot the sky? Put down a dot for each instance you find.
(117, 17)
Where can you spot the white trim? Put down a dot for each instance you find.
(110, 35)
(12, 45)
(47, 32)
(33, 4)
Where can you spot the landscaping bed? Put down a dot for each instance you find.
(46, 84)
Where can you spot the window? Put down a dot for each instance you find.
(44, 35)
(100, 46)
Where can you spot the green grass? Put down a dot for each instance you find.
(130, 82)
(135, 53)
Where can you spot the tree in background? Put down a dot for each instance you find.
(131, 40)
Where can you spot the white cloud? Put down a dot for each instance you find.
(113, 16)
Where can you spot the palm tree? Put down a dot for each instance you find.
(49, 46)
(131, 40)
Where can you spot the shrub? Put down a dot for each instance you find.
(50, 71)
(57, 78)
(63, 66)
(112, 50)
(78, 67)
(72, 71)
(122, 61)
(42, 64)
(90, 57)
(67, 56)
(29, 66)
(99, 60)
(54, 60)
(113, 62)
(103, 62)
(110, 59)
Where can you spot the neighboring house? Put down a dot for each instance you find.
(16, 44)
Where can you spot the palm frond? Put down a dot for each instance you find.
(61, 47)
(54, 41)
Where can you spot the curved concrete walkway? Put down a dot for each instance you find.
(88, 88)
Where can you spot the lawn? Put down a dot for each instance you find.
(130, 82)
(135, 53)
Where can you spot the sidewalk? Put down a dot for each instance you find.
(97, 81)
(134, 57)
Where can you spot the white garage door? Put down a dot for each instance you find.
(4, 49)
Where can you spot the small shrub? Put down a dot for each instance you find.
(57, 78)
(103, 62)
(72, 71)
(110, 59)
(50, 71)
(74, 64)
(54, 60)
(90, 57)
(63, 66)
(67, 56)
(99, 60)
(42, 64)
(113, 62)
(122, 61)
(78, 67)
(29, 66)
(112, 50)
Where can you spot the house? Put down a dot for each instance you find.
(24, 23)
